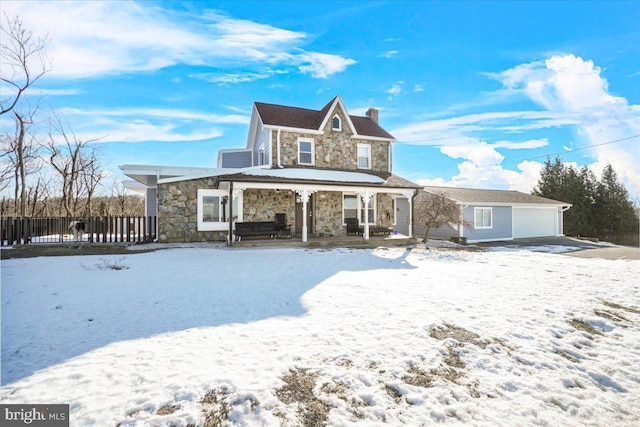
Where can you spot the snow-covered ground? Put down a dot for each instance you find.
(341, 337)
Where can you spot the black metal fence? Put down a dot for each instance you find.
(108, 229)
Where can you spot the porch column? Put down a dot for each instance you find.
(230, 201)
(304, 194)
(366, 199)
(410, 199)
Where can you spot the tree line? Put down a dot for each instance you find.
(602, 208)
(46, 169)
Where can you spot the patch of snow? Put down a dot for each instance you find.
(316, 174)
(182, 324)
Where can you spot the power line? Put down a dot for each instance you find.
(583, 148)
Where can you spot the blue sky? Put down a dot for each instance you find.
(476, 93)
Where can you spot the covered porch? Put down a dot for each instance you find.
(316, 202)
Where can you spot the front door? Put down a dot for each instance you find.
(310, 227)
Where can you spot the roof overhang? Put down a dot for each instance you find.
(149, 175)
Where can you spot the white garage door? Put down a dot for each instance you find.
(531, 222)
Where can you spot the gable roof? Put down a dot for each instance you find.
(474, 195)
(303, 118)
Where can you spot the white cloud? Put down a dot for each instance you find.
(570, 85)
(529, 144)
(571, 92)
(389, 53)
(39, 92)
(322, 65)
(418, 88)
(95, 38)
(230, 78)
(395, 88)
(138, 124)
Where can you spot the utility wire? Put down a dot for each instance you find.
(583, 148)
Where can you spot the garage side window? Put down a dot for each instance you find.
(483, 218)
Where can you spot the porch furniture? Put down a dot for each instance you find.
(353, 227)
(256, 229)
(281, 225)
(379, 230)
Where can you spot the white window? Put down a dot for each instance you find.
(213, 210)
(364, 156)
(353, 207)
(336, 123)
(350, 207)
(261, 157)
(483, 218)
(305, 152)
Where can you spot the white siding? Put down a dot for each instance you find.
(262, 142)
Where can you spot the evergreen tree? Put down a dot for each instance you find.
(550, 183)
(616, 218)
(599, 208)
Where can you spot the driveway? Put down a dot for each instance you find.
(569, 246)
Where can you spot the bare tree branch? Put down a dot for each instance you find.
(18, 50)
(434, 210)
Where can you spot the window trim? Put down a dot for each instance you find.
(373, 204)
(339, 128)
(260, 157)
(313, 151)
(394, 208)
(475, 218)
(218, 225)
(368, 147)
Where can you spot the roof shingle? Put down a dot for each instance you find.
(303, 118)
(473, 195)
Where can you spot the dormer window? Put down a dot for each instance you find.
(336, 123)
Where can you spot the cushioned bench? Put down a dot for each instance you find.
(379, 230)
(256, 229)
(353, 227)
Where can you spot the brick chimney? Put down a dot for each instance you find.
(372, 113)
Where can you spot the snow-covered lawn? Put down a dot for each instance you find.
(336, 337)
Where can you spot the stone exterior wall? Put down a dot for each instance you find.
(328, 213)
(333, 149)
(178, 210)
(384, 210)
(262, 205)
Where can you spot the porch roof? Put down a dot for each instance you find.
(316, 177)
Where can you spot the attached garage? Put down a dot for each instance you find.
(495, 215)
(535, 222)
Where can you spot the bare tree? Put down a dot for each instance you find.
(91, 177)
(21, 153)
(434, 210)
(123, 201)
(22, 63)
(71, 158)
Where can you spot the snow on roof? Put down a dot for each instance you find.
(315, 175)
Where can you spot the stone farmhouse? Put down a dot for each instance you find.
(316, 170)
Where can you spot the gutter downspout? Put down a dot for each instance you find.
(563, 209)
(278, 149)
